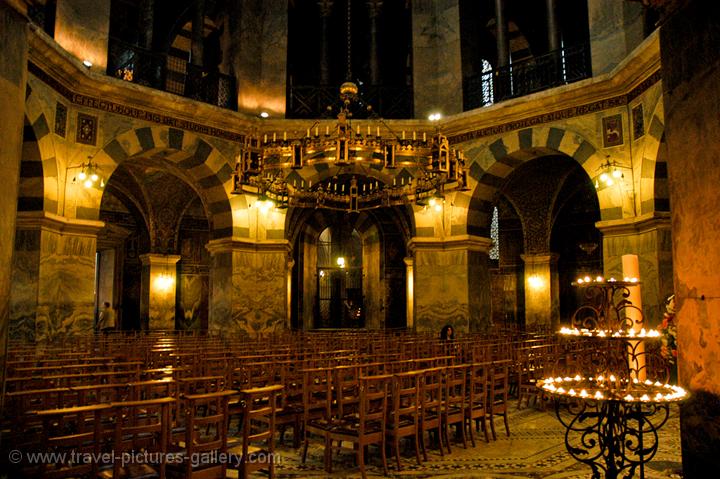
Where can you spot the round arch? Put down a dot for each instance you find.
(37, 117)
(489, 164)
(654, 195)
(187, 155)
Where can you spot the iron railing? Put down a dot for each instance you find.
(556, 68)
(324, 101)
(169, 73)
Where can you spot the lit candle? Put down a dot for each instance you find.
(317, 131)
(424, 137)
(403, 134)
(284, 135)
(308, 132)
(377, 132)
(368, 133)
(274, 137)
(414, 135)
(327, 130)
(265, 141)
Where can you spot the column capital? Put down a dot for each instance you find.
(159, 259)
(226, 245)
(42, 220)
(638, 224)
(542, 258)
(459, 242)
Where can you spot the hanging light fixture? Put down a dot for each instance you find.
(609, 173)
(89, 175)
(370, 165)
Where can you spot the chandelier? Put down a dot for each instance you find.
(351, 166)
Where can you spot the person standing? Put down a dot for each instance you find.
(106, 321)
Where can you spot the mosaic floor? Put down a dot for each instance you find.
(534, 450)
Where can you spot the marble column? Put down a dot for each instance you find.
(451, 283)
(410, 292)
(649, 237)
(260, 64)
(13, 77)
(501, 35)
(53, 289)
(158, 291)
(690, 79)
(437, 65)
(197, 36)
(552, 26)
(374, 7)
(542, 291)
(616, 28)
(147, 21)
(248, 287)
(82, 27)
(325, 10)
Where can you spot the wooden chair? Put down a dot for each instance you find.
(204, 448)
(317, 407)
(140, 426)
(404, 414)
(75, 435)
(498, 396)
(370, 424)
(431, 406)
(453, 412)
(258, 430)
(476, 408)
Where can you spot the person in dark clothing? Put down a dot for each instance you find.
(447, 333)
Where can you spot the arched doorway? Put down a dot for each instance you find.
(150, 214)
(339, 299)
(349, 269)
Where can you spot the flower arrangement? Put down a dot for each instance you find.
(668, 331)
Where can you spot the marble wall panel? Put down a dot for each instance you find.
(479, 286)
(655, 261)
(616, 28)
(24, 287)
(66, 290)
(259, 292)
(12, 96)
(220, 291)
(441, 290)
(192, 301)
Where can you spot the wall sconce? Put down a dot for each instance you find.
(535, 282)
(88, 176)
(609, 173)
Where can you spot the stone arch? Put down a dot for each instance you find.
(46, 164)
(207, 170)
(654, 194)
(490, 164)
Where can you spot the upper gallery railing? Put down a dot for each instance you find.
(556, 68)
(394, 102)
(170, 73)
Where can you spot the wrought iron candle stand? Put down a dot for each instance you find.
(610, 391)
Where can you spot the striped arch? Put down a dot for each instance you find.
(39, 149)
(207, 169)
(654, 194)
(307, 224)
(490, 164)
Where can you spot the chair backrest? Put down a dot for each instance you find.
(206, 419)
(477, 388)
(499, 385)
(373, 404)
(431, 396)
(75, 435)
(258, 429)
(455, 384)
(317, 392)
(405, 397)
(142, 426)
